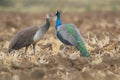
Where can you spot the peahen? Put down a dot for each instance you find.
(28, 36)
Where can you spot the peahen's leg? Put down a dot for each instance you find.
(26, 49)
(34, 48)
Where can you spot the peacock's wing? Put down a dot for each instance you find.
(78, 35)
(80, 43)
(70, 33)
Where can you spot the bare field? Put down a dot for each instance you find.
(100, 31)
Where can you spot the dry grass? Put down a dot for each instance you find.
(100, 31)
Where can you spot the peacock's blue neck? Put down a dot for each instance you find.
(58, 22)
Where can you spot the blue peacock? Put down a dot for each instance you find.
(68, 34)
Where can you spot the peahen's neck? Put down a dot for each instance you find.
(47, 24)
(58, 22)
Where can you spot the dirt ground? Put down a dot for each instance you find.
(100, 31)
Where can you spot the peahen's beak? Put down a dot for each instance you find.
(49, 16)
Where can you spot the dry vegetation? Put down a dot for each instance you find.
(100, 31)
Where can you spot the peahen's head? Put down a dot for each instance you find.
(48, 16)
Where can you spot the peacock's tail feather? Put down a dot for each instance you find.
(81, 47)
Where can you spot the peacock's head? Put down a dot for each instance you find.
(57, 13)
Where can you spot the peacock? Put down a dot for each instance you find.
(68, 34)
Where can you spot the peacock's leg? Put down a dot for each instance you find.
(62, 53)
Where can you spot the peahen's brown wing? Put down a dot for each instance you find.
(23, 38)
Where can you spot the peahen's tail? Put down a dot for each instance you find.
(81, 47)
